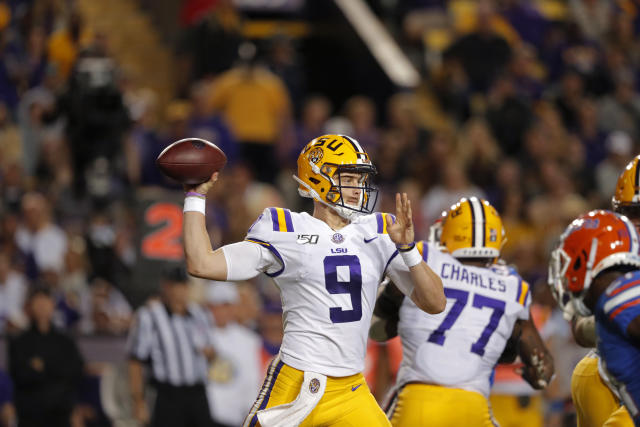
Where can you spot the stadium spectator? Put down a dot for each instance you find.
(7, 408)
(315, 113)
(479, 152)
(103, 309)
(42, 241)
(212, 127)
(96, 122)
(236, 373)
(483, 53)
(523, 17)
(34, 108)
(249, 307)
(8, 88)
(261, 129)
(619, 150)
(46, 368)
(32, 60)
(568, 96)
(590, 135)
(361, 113)
(454, 185)
(65, 44)
(508, 113)
(402, 117)
(283, 61)
(178, 354)
(11, 147)
(621, 110)
(592, 16)
(218, 28)
(13, 293)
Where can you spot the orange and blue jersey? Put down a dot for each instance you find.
(615, 310)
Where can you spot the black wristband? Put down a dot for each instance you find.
(406, 247)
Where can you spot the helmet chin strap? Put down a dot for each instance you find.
(313, 194)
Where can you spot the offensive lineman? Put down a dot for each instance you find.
(448, 359)
(327, 267)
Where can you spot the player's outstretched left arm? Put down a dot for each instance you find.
(428, 292)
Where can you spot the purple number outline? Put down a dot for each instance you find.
(479, 301)
(353, 287)
(461, 297)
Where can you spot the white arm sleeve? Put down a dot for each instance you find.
(245, 260)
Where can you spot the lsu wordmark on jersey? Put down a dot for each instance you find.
(458, 348)
(326, 323)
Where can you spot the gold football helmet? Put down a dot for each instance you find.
(626, 199)
(472, 228)
(320, 164)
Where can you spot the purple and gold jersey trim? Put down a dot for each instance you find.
(393, 255)
(423, 248)
(265, 393)
(381, 219)
(281, 219)
(273, 251)
(523, 292)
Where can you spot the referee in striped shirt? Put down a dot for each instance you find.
(173, 338)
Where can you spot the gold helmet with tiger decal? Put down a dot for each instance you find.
(320, 164)
(626, 199)
(472, 228)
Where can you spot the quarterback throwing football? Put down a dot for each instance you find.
(327, 266)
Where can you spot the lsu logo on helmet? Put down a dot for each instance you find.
(626, 199)
(320, 164)
(472, 228)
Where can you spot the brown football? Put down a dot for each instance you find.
(191, 160)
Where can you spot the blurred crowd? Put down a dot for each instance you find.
(533, 105)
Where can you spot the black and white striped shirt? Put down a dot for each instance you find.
(172, 343)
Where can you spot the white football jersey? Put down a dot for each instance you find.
(460, 347)
(328, 282)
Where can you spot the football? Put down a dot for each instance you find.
(191, 160)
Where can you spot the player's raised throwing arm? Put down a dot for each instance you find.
(237, 261)
(202, 260)
(428, 292)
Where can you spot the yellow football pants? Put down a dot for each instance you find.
(347, 401)
(595, 404)
(432, 405)
(509, 413)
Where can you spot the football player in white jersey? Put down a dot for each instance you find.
(328, 267)
(448, 359)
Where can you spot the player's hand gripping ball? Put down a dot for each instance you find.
(191, 161)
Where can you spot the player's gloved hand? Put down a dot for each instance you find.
(401, 231)
(204, 187)
(537, 372)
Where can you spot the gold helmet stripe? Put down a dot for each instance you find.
(478, 218)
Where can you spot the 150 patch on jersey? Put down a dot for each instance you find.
(310, 239)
